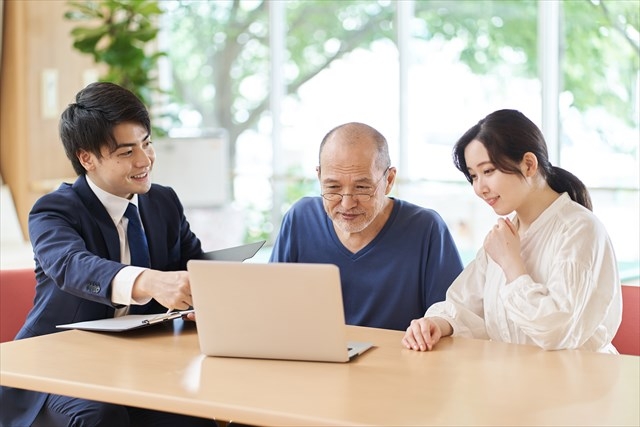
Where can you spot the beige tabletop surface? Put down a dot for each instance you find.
(461, 382)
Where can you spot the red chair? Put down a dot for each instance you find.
(627, 339)
(17, 290)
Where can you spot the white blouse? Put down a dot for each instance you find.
(571, 298)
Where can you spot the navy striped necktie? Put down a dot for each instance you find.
(138, 247)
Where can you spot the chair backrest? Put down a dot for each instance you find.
(17, 290)
(627, 340)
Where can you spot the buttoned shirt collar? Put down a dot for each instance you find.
(114, 205)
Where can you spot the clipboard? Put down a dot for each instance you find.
(236, 253)
(125, 323)
(136, 321)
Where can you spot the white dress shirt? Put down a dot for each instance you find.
(122, 284)
(570, 298)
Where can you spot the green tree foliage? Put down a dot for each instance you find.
(118, 33)
(600, 52)
(602, 55)
(491, 33)
(220, 55)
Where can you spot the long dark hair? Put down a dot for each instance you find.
(508, 135)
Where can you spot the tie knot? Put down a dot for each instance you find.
(132, 212)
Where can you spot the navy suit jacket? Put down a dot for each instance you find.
(77, 254)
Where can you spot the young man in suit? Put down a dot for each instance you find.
(88, 266)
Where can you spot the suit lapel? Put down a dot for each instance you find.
(153, 228)
(100, 216)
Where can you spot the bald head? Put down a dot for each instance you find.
(354, 133)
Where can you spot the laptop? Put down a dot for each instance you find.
(289, 311)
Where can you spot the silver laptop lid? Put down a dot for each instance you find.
(272, 311)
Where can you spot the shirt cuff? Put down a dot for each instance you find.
(122, 286)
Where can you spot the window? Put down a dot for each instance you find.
(466, 59)
(599, 107)
(422, 72)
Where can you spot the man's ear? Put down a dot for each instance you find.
(391, 179)
(318, 171)
(87, 160)
(529, 164)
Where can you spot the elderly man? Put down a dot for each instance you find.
(395, 258)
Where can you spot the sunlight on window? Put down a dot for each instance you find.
(467, 58)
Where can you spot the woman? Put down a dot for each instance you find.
(547, 276)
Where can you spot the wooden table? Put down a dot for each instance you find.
(462, 382)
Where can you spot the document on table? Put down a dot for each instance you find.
(125, 323)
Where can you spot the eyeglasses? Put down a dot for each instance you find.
(358, 197)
